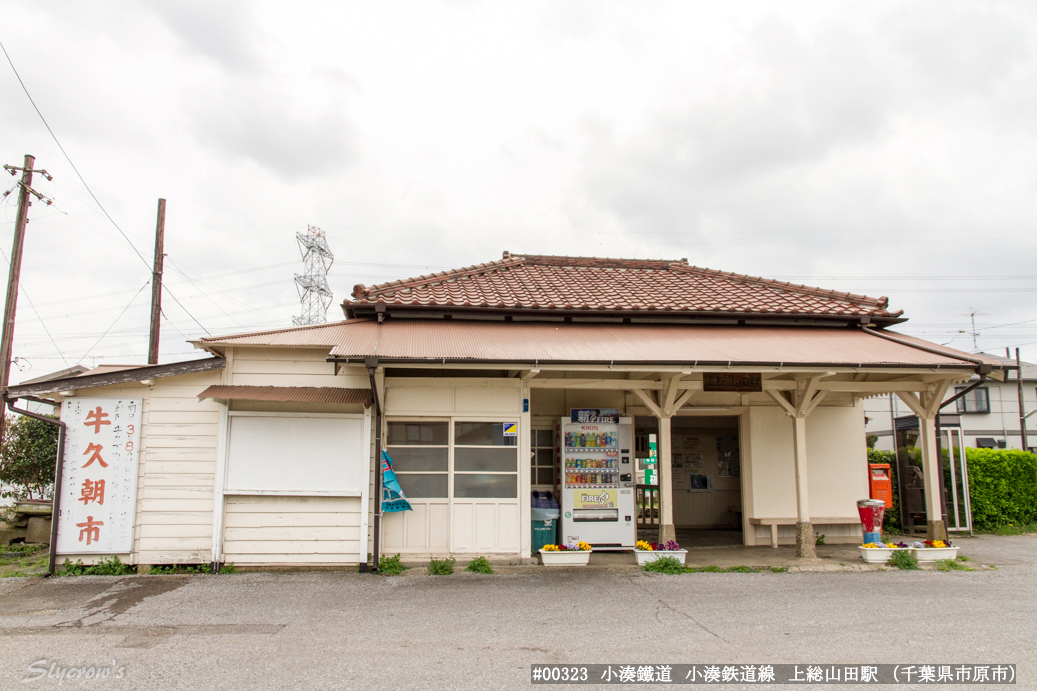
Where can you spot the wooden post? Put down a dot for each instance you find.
(1022, 406)
(935, 527)
(11, 306)
(156, 284)
(666, 528)
(805, 545)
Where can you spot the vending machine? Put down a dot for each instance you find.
(598, 482)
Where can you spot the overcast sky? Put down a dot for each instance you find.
(886, 148)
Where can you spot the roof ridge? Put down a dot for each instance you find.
(506, 262)
(880, 302)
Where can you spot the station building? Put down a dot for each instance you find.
(266, 451)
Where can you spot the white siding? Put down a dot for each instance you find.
(291, 530)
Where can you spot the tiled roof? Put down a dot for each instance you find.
(630, 286)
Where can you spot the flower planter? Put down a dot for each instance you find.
(877, 555)
(645, 555)
(931, 554)
(567, 558)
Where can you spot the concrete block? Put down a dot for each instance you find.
(38, 531)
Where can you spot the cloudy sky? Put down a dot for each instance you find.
(886, 148)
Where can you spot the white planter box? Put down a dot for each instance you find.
(877, 555)
(573, 558)
(930, 554)
(645, 555)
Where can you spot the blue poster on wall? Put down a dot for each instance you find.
(393, 498)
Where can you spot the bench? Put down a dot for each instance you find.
(775, 522)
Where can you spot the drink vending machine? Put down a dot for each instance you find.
(598, 484)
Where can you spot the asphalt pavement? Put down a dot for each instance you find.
(345, 630)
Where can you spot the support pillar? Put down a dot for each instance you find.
(805, 544)
(936, 529)
(666, 529)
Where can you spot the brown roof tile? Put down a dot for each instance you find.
(615, 285)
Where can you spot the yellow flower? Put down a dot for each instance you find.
(873, 545)
(584, 547)
(644, 546)
(891, 544)
(550, 548)
(939, 543)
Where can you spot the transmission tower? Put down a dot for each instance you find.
(314, 293)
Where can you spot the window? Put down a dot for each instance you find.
(485, 461)
(419, 452)
(542, 446)
(975, 401)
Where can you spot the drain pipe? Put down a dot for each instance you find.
(58, 468)
(372, 365)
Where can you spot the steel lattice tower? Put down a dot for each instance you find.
(314, 293)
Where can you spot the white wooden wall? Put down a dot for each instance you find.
(291, 530)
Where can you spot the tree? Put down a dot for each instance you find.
(27, 455)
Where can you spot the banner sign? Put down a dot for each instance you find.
(393, 498)
(594, 415)
(99, 476)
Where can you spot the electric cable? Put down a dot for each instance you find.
(146, 283)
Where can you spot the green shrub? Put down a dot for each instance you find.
(670, 565)
(27, 455)
(951, 565)
(1002, 488)
(441, 567)
(106, 567)
(903, 559)
(228, 568)
(780, 569)
(710, 569)
(479, 565)
(390, 566)
(740, 569)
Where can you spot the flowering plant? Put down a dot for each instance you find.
(936, 544)
(668, 546)
(568, 547)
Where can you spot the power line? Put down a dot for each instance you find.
(146, 283)
(38, 316)
(85, 185)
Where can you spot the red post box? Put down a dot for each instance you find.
(880, 483)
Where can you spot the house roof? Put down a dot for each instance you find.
(1029, 369)
(296, 394)
(108, 375)
(591, 286)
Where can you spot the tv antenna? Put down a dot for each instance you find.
(314, 293)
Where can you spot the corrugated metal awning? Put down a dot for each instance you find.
(294, 394)
(520, 342)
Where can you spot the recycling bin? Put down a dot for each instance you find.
(871, 512)
(544, 515)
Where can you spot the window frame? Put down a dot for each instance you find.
(962, 404)
(534, 472)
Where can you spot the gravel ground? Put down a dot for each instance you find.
(340, 630)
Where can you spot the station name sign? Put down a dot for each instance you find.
(743, 382)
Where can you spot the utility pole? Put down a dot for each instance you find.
(1022, 408)
(11, 306)
(156, 283)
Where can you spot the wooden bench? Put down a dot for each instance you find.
(775, 522)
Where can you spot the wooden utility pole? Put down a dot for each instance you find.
(11, 306)
(156, 283)
(1022, 408)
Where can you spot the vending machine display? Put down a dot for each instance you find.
(598, 483)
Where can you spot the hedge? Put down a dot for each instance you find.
(1002, 487)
